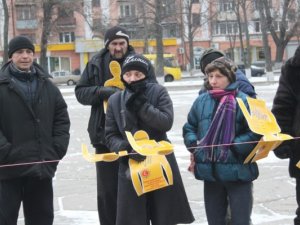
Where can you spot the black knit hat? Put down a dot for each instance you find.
(136, 62)
(208, 56)
(114, 33)
(19, 42)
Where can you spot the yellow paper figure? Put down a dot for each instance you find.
(105, 157)
(139, 142)
(153, 173)
(262, 121)
(115, 81)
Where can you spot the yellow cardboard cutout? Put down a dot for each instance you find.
(139, 142)
(152, 174)
(115, 81)
(262, 121)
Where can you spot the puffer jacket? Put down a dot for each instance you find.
(31, 134)
(286, 109)
(232, 168)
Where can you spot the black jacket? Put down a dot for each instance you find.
(31, 134)
(156, 118)
(286, 108)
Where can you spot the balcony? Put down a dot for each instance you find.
(25, 2)
(66, 22)
(27, 24)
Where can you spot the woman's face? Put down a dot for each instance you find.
(217, 80)
(132, 76)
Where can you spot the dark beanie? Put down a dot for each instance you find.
(114, 33)
(136, 62)
(208, 56)
(19, 42)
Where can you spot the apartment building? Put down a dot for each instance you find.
(78, 26)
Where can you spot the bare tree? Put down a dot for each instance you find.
(287, 18)
(5, 31)
(264, 28)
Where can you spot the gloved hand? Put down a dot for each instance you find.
(136, 156)
(136, 101)
(138, 86)
(106, 92)
(283, 151)
(192, 147)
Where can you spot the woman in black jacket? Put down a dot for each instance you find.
(144, 106)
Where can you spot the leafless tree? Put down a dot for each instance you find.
(286, 18)
(5, 31)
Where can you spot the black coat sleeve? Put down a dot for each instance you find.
(284, 104)
(113, 136)
(4, 146)
(159, 116)
(88, 92)
(61, 126)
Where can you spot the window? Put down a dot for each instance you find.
(226, 5)
(260, 54)
(256, 4)
(196, 19)
(127, 10)
(66, 37)
(168, 7)
(26, 12)
(226, 27)
(170, 30)
(65, 12)
(95, 3)
(257, 26)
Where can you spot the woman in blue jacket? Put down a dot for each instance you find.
(215, 124)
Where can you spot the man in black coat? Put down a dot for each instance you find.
(90, 91)
(286, 108)
(34, 136)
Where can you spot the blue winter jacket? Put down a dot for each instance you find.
(231, 169)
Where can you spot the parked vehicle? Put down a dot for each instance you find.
(171, 69)
(256, 71)
(64, 77)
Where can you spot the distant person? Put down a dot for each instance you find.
(90, 91)
(286, 109)
(144, 105)
(34, 129)
(216, 120)
(244, 84)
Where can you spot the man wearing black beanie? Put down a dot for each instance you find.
(34, 136)
(90, 90)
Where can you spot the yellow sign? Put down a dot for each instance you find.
(262, 121)
(115, 81)
(151, 174)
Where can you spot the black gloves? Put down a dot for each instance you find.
(133, 154)
(136, 156)
(136, 101)
(106, 92)
(192, 147)
(283, 151)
